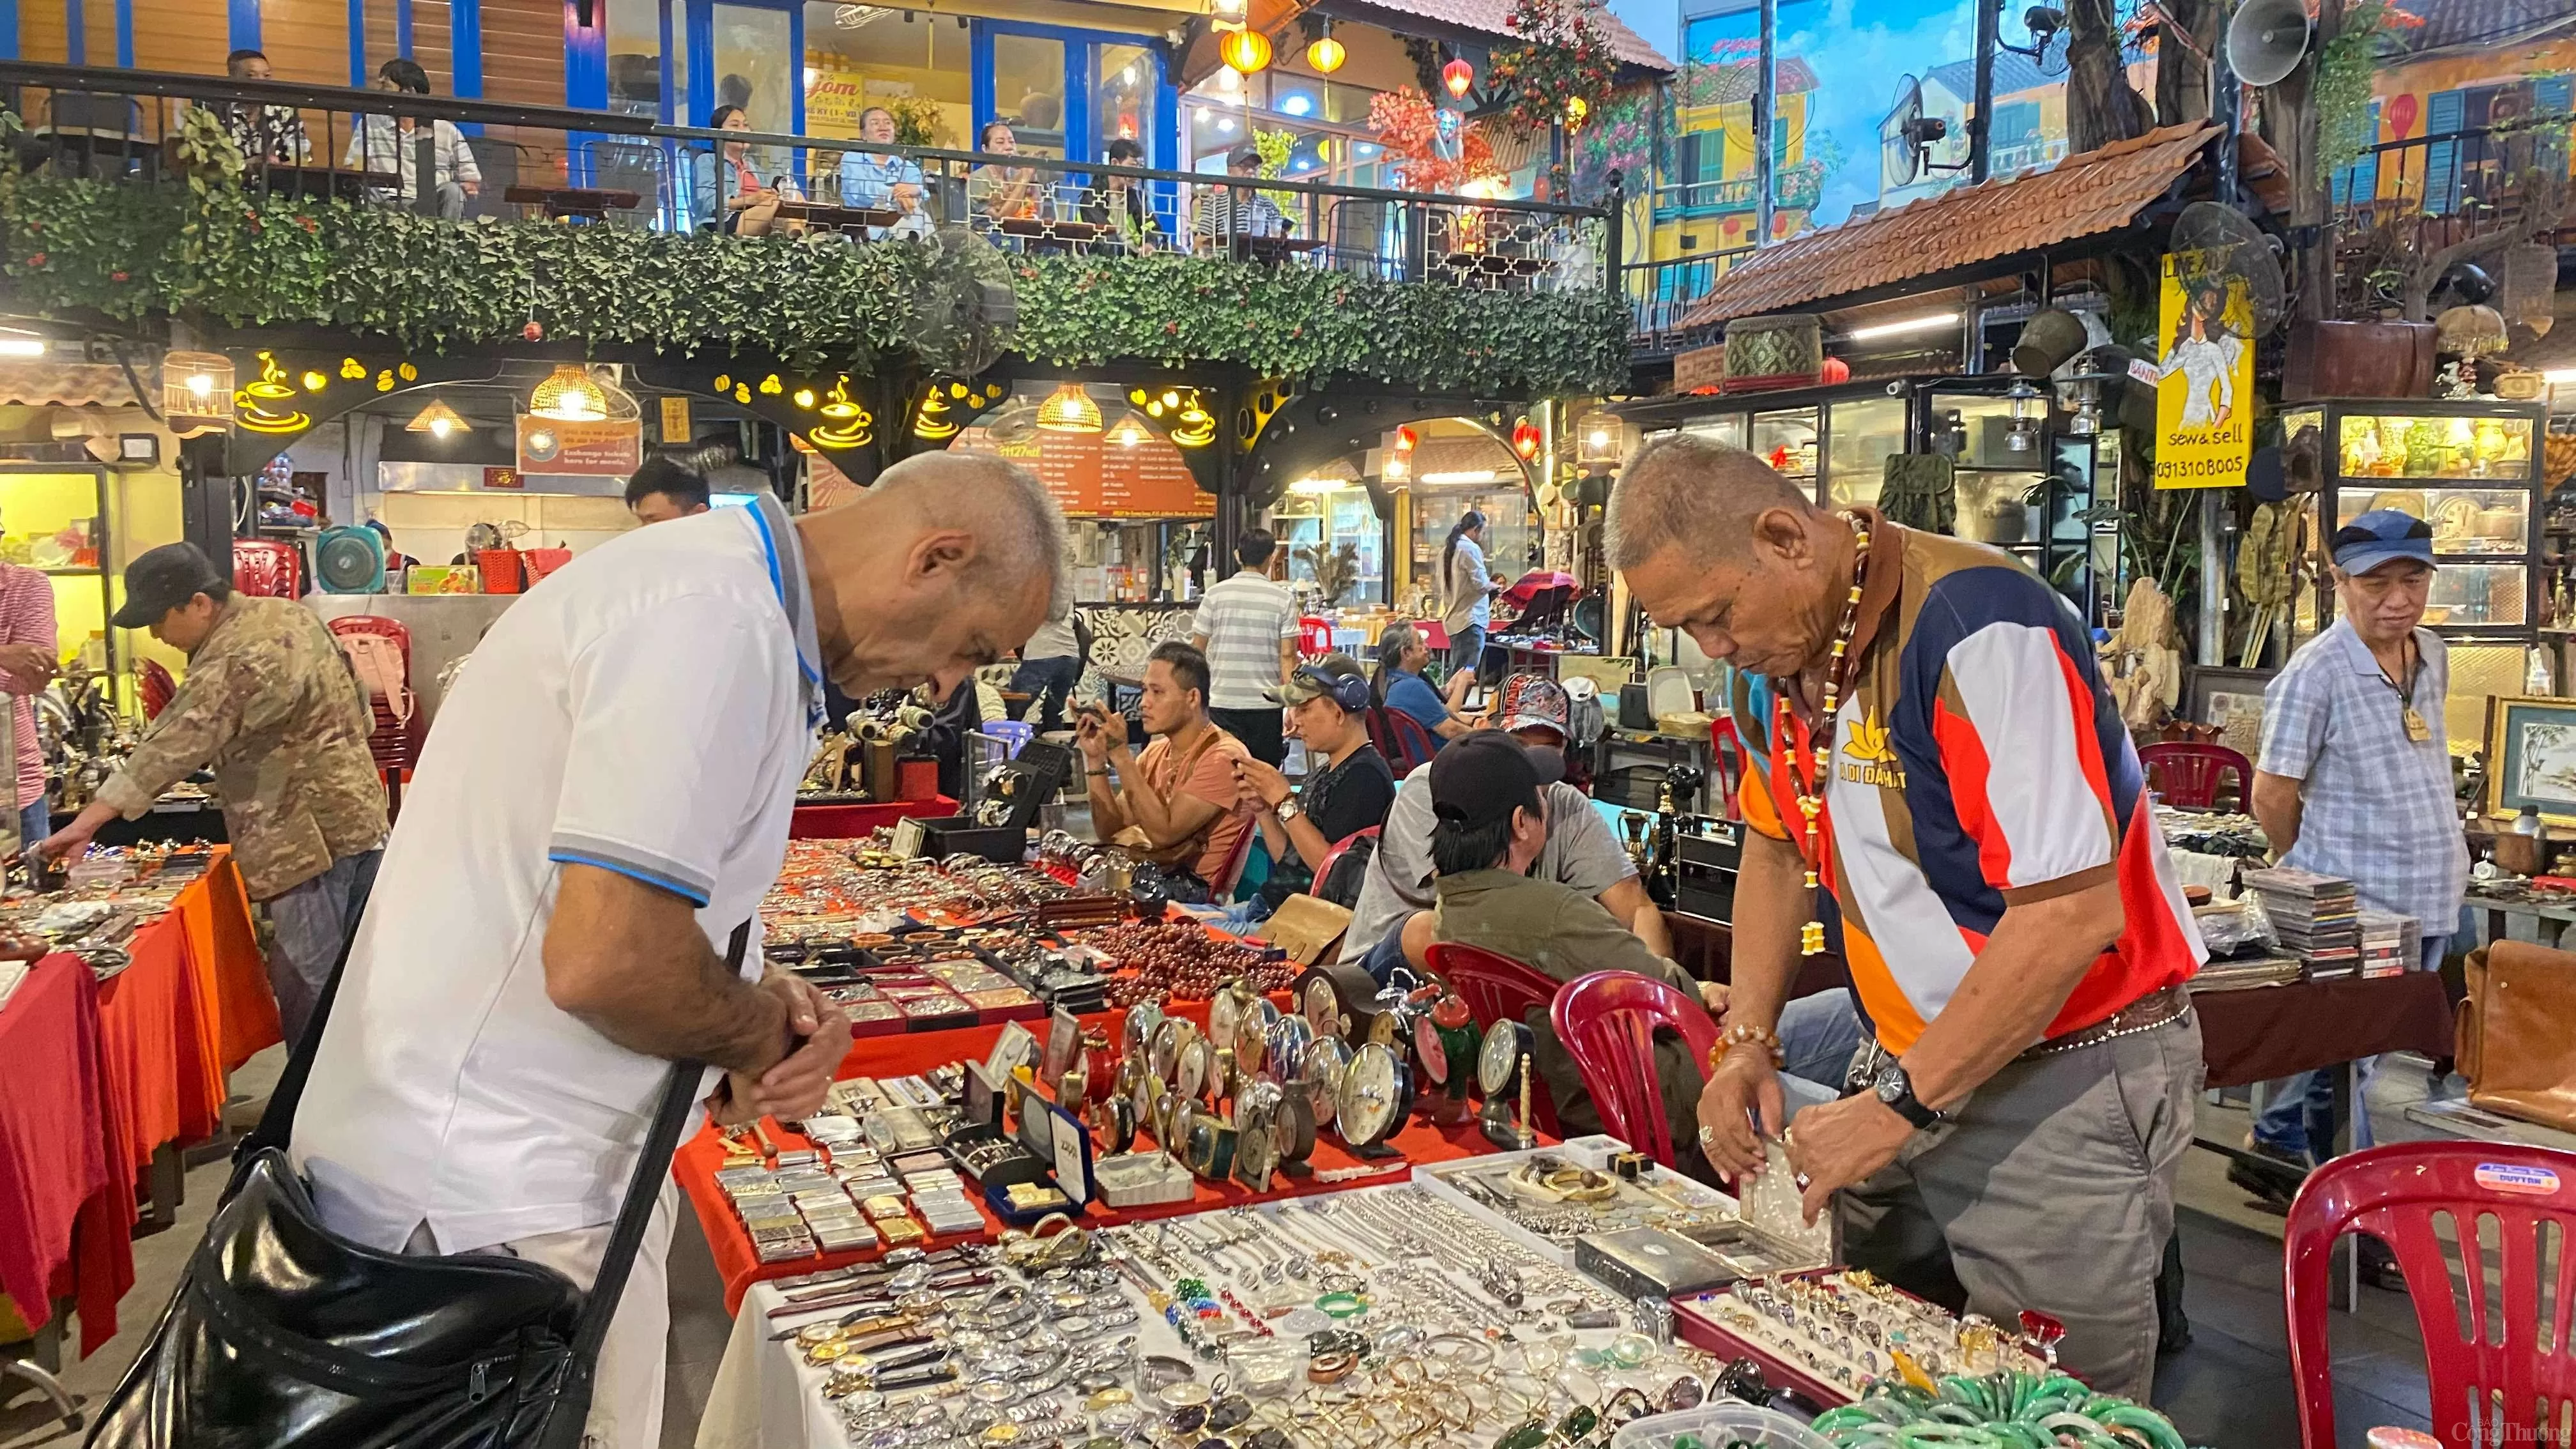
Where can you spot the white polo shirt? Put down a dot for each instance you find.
(648, 709)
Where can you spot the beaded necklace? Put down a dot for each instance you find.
(1819, 769)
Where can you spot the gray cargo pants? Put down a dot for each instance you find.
(2052, 1189)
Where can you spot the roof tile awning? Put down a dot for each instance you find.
(2081, 196)
(72, 384)
(1487, 16)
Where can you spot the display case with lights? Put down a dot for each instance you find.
(2470, 470)
(2024, 473)
(55, 517)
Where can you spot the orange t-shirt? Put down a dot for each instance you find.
(1208, 774)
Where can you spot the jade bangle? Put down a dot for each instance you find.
(1341, 1305)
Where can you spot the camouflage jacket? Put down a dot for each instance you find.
(270, 703)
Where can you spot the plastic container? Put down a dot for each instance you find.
(500, 570)
(1719, 1425)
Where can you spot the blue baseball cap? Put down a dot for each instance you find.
(2381, 537)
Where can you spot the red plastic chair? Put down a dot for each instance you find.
(2187, 775)
(1341, 847)
(1498, 988)
(1314, 638)
(1401, 739)
(2478, 1297)
(1607, 1021)
(396, 741)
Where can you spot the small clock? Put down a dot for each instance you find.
(1285, 1051)
(1212, 1142)
(1142, 1019)
(1323, 1007)
(1376, 1096)
(1500, 1061)
(1296, 1128)
(1225, 1009)
(1428, 1050)
(1190, 1080)
(1326, 1059)
(1256, 1134)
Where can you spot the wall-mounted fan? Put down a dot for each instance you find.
(1907, 136)
(2235, 247)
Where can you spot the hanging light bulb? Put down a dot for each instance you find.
(568, 396)
(1247, 51)
(1326, 54)
(1458, 76)
(1069, 410)
(1129, 433)
(439, 420)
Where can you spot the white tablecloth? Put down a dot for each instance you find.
(764, 1395)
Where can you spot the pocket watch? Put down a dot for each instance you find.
(1376, 1095)
(1256, 1134)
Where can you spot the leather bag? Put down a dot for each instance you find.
(285, 1335)
(2514, 1044)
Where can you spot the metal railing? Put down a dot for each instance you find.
(1662, 294)
(483, 159)
(2472, 174)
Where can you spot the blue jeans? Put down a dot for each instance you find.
(1049, 683)
(35, 822)
(1466, 648)
(2300, 1112)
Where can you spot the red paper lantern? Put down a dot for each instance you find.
(1834, 370)
(1458, 75)
(1525, 439)
(1406, 439)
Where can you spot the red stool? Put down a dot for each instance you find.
(2188, 775)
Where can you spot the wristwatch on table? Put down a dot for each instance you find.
(1895, 1091)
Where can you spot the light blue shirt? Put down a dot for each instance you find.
(869, 179)
(1414, 695)
(2376, 808)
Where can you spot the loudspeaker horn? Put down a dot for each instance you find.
(2266, 40)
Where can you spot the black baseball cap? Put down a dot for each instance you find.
(163, 579)
(1478, 780)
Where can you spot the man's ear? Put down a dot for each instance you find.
(1781, 533)
(949, 551)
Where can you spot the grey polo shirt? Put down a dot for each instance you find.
(1580, 852)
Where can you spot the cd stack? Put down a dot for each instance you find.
(2316, 916)
(2383, 943)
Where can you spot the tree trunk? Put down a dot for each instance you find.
(2101, 107)
(2182, 78)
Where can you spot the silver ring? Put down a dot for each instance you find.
(1707, 1135)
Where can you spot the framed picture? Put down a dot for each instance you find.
(2531, 755)
(2231, 701)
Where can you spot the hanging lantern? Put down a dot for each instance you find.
(1326, 54)
(2029, 406)
(1130, 433)
(1603, 443)
(1246, 50)
(1458, 76)
(568, 396)
(1406, 439)
(439, 420)
(1069, 410)
(197, 392)
(1525, 439)
(1576, 108)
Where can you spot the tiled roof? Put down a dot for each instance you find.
(2083, 195)
(67, 384)
(2446, 25)
(1487, 16)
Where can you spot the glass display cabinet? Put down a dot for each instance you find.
(2022, 486)
(2472, 470)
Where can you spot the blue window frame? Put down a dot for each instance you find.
(1081, 66)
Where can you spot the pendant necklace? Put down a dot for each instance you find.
(2417, 731)
(1810, 789)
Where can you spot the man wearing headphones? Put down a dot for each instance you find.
(1348, 784)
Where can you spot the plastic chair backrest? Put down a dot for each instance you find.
(2188, 775)
(1341, 847)
(2481, 1230)
(1607, 1022)
(1498, 988)
(1401, 739)
(1314, 638)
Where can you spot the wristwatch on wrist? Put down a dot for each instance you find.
(1287, 810)
(1895, 1091)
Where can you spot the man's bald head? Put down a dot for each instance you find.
(1699, 495)
(1014, 519)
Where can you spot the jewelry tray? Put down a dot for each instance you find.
(1461, 1183)
(1695, 1321)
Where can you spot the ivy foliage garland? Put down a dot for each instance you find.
(130, 252)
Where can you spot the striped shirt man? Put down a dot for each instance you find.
(26, 617)
(1245, 619)
(1978, 761)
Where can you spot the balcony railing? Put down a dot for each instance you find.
(2477, 175)
(483, 159)
(1662, 294)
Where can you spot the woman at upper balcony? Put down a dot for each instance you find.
(726, 187)
(1119, 203)
(868, 178)
(997, 193)
(388, 144)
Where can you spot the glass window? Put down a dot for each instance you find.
(752, 60)
(1787, 441)
(2395, 445)
(634, 57)
(913, 63)
(1316, 519)
(1028, 91)
(2465, 520)
(1728, 430)
(1125, 85)
(1866, 432)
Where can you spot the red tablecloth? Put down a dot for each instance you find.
(896, 1056)
(69, 1209)
(231, 972)
(2268, 1032)
(194, 1005)
(850, 822)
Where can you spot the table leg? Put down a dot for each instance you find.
(167, 1187)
